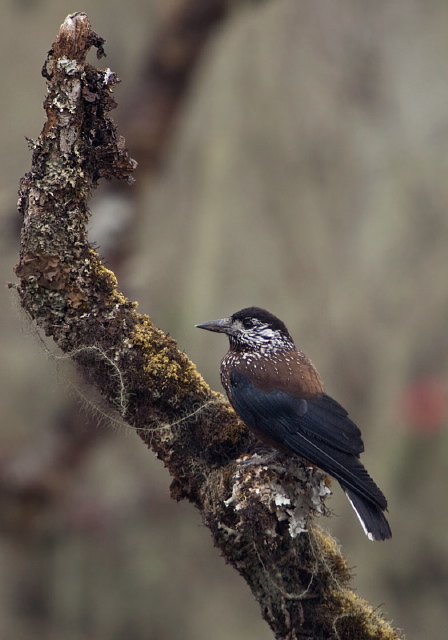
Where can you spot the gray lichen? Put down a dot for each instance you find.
(292, 491)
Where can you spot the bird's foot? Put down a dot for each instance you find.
(258, 459)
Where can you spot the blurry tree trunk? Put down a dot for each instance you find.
(301, 581)
(169, 63)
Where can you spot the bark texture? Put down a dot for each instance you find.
(258, 515)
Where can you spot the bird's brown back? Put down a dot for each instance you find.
(285, 370)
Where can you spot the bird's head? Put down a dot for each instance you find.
(252, 329)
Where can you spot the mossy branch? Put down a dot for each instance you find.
(255, 514)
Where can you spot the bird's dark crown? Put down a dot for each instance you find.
(259, 317)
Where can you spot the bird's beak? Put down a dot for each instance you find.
(220, 326)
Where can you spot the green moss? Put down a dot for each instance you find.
(357, 619)
(166, 369)
(107, 281)
(333, 561)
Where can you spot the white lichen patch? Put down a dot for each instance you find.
(289, 489)
(70, 67)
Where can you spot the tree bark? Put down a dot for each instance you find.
(260, 516)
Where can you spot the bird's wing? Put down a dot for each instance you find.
(320, 417)
(327, 420)
(317, 429)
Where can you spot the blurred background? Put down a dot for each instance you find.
(292, 155)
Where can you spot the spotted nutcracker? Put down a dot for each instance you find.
(277, 391)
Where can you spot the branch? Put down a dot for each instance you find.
(258, 515)
(170, 62)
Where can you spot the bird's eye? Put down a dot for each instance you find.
(248, 323)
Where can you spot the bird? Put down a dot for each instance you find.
(278, 393)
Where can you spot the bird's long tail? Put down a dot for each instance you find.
(365, 496)
(372, 518)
